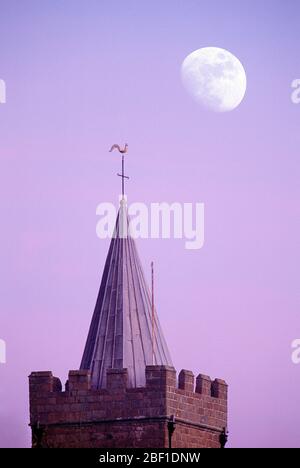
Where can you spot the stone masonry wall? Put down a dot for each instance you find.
(127, 417)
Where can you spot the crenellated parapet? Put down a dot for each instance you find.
(121, 416)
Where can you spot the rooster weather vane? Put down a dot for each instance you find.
(123, 176)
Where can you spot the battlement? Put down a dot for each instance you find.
(199, 406)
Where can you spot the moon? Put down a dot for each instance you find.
(215, 78)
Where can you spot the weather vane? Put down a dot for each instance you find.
(122, 151)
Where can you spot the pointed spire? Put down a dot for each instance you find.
(121, 331)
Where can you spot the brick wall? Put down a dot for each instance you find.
(127, 417)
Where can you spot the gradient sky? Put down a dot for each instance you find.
(82, 75)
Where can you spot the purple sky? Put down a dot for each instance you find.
(83, 75)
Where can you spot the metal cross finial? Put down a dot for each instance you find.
(122, 151)
(123, 177)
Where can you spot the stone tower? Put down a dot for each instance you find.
(126, 393)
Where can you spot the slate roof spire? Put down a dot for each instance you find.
(120, 334)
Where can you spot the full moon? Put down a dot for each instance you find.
(215, 78)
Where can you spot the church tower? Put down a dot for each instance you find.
(126, 393)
